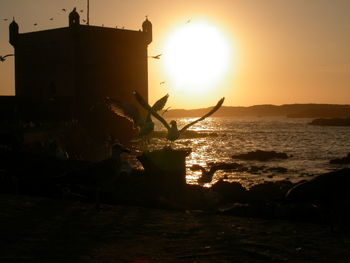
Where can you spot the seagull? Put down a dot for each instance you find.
(207, 176)
(130, 112)
(3, 58)
(173, 132)
(156, 57)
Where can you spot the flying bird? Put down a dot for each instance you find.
(3, 58)
(35, 24)
(5, 19)
(63, 9)
(173, 131)
(130, 112)
(161, 83)
(51, 18)
(156, 57)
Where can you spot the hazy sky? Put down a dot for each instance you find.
(283, 51)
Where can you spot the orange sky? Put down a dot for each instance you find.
(284, 51)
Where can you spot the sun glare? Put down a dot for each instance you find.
(197, 57)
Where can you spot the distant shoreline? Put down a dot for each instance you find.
(287, 110)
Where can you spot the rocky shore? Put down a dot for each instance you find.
(152, 215)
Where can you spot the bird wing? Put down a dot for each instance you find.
(8, 55)
(124, 109)
(217, 106)
(147, 107)
(159, 104)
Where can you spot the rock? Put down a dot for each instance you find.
(269, 191)
(166, 168)
(344, 160)
(260, 155)
(331, 122)
(230, 192)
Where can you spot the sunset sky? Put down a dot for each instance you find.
(254, 51)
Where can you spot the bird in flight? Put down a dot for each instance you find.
(188, 21)
(51, 18)
(161, 83)
(35, 24)
(3, 58)
(173, 131)
(156, 57)
(5, 19)
(130, 112)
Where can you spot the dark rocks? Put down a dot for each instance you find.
(324, 190)
(260, 155)
(331, 122)
(344, 160)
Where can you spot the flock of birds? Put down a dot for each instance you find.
(145, 125)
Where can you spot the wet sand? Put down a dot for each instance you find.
(49, 230)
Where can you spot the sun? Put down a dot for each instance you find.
(196, 57)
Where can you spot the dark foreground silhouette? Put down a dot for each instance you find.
(198, 224)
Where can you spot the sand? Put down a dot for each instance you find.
(50, 230)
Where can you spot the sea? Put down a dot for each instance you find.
(309, 147)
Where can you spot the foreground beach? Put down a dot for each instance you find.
(52, 230)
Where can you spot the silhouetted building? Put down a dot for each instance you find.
(62, 75)
(81, 63)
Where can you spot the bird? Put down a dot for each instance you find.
(156, 57)
(5, 19)
(63, 9)
(161, 83)
(3, 58)
(130, 112)
(173, 131)
(188, 21)
(51, 18)
(81, 11)
(207, 176)
(35, 24)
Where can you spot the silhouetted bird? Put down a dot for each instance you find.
(63, 9)
(161, 83)
(51, 18)
(130, 112)
(156, 57)
(207, 176)
(35, 24)
(5, 19)
(3, 58)
(173, 132)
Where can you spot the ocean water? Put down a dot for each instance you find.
(310, 147)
